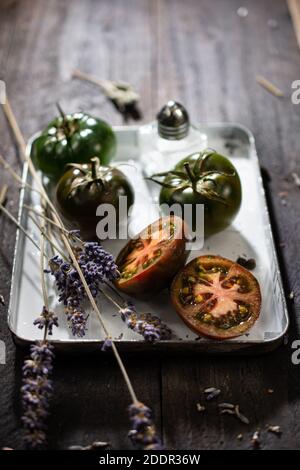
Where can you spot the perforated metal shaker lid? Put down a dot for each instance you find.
(173, 121)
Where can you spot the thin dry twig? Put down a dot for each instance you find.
(20, 227)
(3, 194)
(270, 87)
(43, 232)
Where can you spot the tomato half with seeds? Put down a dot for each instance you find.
(216, 297)
(149, 262)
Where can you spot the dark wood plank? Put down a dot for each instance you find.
(217, 81)
(41, 43)
(205, 55)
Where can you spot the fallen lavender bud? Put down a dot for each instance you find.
(94, 446)
(143, 433)
(227, 411)
(200, 407)
(240, 416)
(211, 393)
(228, 406)
(106, 344)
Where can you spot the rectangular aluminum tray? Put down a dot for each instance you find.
(250, 236)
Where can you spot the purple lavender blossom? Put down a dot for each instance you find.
(149, 326)
(143, 433)
(36, 392)
(97, 266)
(77, 321)
(46, 319)
(106, 344)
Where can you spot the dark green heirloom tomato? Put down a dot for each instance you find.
(83, 188)
(72, 138)
(204, 178)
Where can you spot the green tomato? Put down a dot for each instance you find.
(72, 138)
(83, 188)
(204, 178)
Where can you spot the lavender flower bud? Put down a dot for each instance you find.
(106, 344)
(143, 433)
(47, 318)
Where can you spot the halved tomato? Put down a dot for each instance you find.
(149, 262)
(216, 297)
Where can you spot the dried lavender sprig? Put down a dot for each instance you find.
(46, 319)
(36, 387)
(36, 392)
(146, 324)
(97, 266)
(143, 433)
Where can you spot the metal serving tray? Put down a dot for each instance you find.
(249, 236)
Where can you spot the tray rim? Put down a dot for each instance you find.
(210, 346)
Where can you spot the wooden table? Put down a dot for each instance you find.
(206, 56)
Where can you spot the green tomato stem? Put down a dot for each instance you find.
(65, 123)
(189, 172)
(95, 164)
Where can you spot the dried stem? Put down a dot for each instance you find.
(270, 87)
(10, 169)
(43, 282)
(3, 193)
(113, 301)
(20, 227)
(46, 236)
(44, 217)
(16, 176)
(45, 295)
(114, 291)
(91, 79)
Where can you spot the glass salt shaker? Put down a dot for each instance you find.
(169, 139)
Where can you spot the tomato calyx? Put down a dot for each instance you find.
(93, 173)
(67, 127)
(202, 182)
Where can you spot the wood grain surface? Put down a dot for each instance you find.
(205, 55)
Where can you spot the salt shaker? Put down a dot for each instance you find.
(168, 139)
